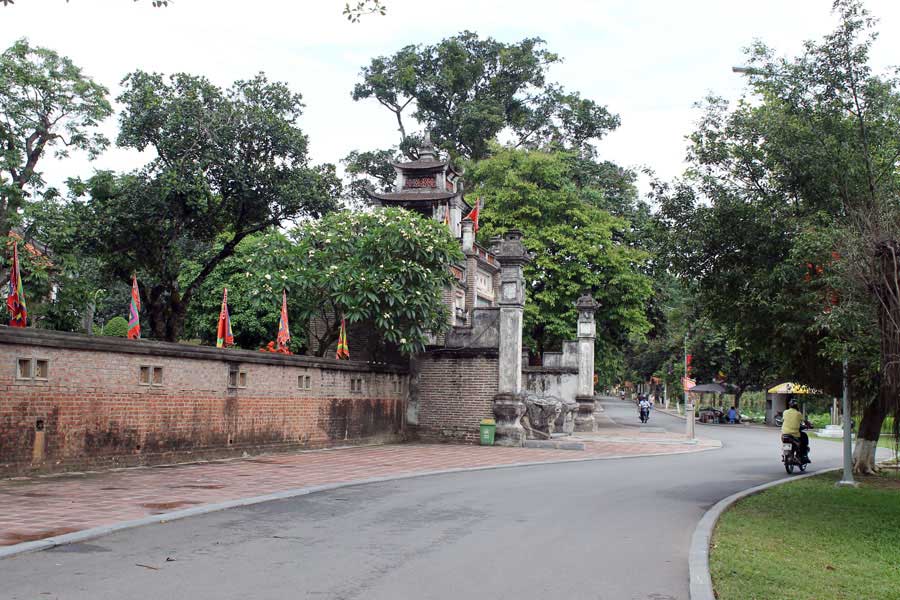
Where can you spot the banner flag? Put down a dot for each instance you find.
(224, 335)
(343, 350)
(284, 334)
(474, 215)
(134, 310)
(15, 301)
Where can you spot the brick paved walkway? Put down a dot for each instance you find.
(41, 507)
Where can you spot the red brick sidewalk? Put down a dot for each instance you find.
(41, 507)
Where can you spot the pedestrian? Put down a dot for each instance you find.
(732, 415)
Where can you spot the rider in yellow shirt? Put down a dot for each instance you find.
(792, 421)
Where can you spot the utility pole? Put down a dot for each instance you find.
(847, 479)
(688, 405)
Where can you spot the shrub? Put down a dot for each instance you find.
(116, 327)
(819, 421)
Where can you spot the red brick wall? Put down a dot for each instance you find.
(95, 413)
(455, 392)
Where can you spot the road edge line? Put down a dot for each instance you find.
(103, 530)
(701, 587)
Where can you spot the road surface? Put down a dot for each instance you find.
(600, 530)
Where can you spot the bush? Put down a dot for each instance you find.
(116, 327)
(819, 421)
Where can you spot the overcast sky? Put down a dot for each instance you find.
(647, 60)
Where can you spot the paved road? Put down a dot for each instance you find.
(610, 530)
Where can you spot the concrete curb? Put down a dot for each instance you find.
(698, 557)
(95, 532)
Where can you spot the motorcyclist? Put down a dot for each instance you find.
(644, 405)
(792, 425)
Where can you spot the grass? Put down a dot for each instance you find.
(811, 540)
(883, 441)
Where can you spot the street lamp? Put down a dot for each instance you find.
(688, 405)
(847, 479)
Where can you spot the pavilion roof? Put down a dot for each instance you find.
(411, 196)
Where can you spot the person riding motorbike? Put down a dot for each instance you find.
(793, 425)
(644, 408)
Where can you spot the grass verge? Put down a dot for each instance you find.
(811, 540)
(884, 441)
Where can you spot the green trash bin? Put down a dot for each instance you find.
(488, 428)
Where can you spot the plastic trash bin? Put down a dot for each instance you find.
(488, 429)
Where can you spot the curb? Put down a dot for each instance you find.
(701, 587)
(95, 532)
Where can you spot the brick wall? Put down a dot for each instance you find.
(455, 392)
(92, 409)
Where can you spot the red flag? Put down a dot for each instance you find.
(134, 319)
(474, 215)
(284, 334)
(343, 350)
(224, 335)
(15, 301)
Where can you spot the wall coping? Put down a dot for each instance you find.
(75, 341)
(461, 353)
(551, 370)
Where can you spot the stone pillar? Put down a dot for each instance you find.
(509, 403)
(468, 248)
(587, 333)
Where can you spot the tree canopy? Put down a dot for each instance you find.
(386, 269)
(47, 104)
(576, 248)
(229, 163)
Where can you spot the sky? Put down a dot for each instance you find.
(649, 61)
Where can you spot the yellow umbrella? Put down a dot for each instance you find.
(792, 388)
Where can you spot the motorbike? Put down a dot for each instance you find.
(791, 454)
(645, 414)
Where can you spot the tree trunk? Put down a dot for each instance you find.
(867, 439)
(737, 399)
(87, 319)
(888, 401)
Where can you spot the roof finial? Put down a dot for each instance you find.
(426, 150)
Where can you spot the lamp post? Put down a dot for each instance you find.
(847, 479)
(688, 405)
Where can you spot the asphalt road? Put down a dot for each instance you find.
(609, 529)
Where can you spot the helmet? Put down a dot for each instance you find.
(792, 404)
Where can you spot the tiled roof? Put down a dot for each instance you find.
(411, 196)
(421, 164)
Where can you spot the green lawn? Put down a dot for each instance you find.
(850, 540)
(884, 441)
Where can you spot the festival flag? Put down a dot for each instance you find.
(15, 301)
(474, 215)
(284, 334)
(447, 216)
(343, 350)
(134, 319)
(224, 336)
(688, 384)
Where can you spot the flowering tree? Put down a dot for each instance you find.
(386, 268)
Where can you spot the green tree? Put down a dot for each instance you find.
(810, 153)
(465, 90)
(387, 269)
(47, 104)
(229, 163)
(576, 247)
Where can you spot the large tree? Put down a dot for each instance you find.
(387, 269)
(809, 154)
(47, 104)
(466, 91)
(229, 163)
(576, 247)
